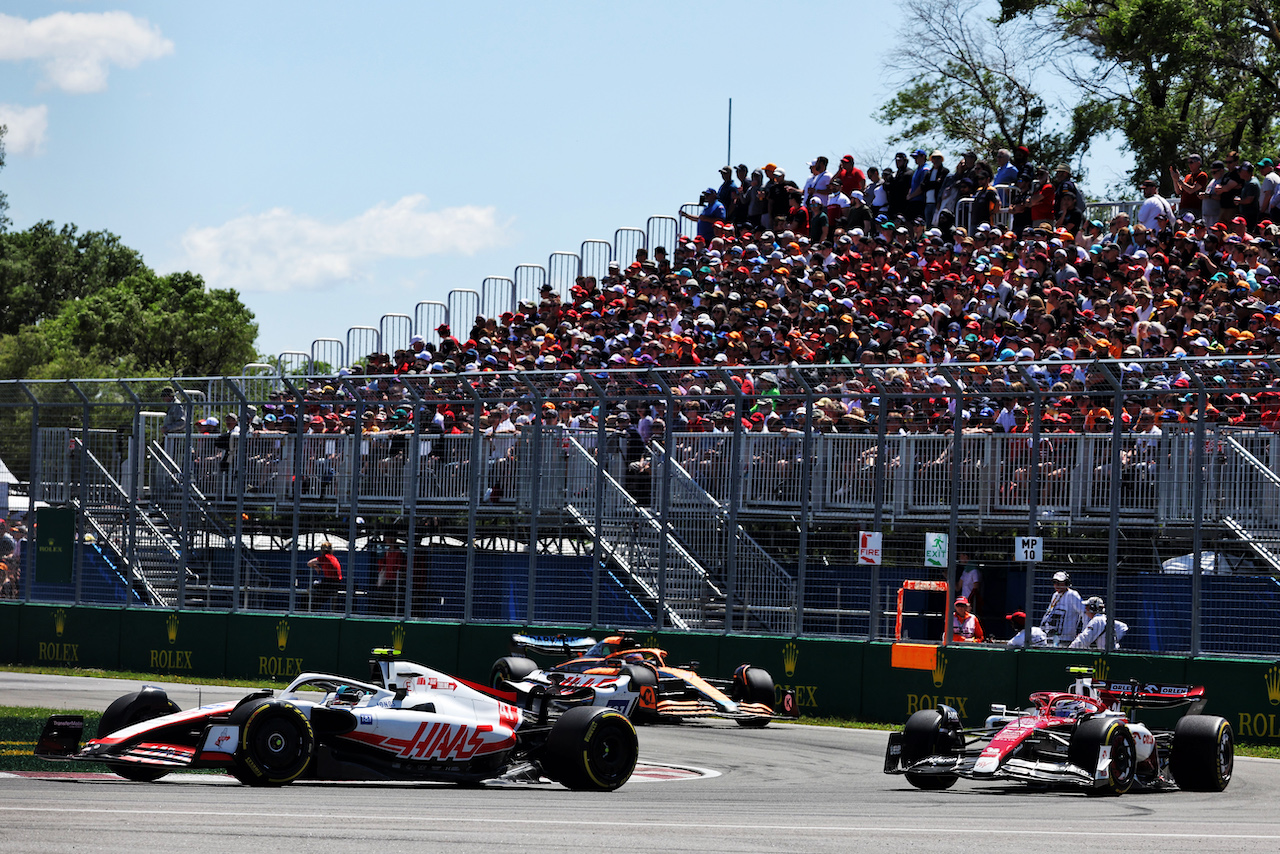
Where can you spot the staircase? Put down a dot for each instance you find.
(1248, 497)
(152, 573)
(763, 591)
(164, 510)
(632, 538)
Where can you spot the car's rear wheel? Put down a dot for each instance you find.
(511, 668)
(276, 743)
(590, 748)
(1203, 754)
(1085, 751)
(923, 737)
(752, 685)
(131, 709)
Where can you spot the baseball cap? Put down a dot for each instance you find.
(1061, 576)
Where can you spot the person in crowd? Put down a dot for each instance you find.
(1018, 619)
(1094, 633)
(1064, 617)
(965, 627)
(326, 585)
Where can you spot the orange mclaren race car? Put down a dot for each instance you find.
(619, 668)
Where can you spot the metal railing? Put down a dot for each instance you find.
(748, 529)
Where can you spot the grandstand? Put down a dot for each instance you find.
(688, 426)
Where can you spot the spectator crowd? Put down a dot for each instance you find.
(995, 268)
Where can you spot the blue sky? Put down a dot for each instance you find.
(334, 162)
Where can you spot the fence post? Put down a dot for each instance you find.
(597, 547)
(297, 493)
(878, 488)
(83, 499)
(735, 499)
(236, 445)
(131, 517)
(806, 489)
(1198, 482)
(37, 487)
(473, 510)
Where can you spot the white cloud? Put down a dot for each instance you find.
(281, 251)
(76, 49)
(26, 125)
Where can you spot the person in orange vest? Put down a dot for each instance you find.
(964, 625)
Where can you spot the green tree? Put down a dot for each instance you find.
(1171, 77)
(4, 199)
(967, 84)
(85, 305)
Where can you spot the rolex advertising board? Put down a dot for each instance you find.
(273, 646)
(179, 643)
(432, 644)
(67, 636)
(825, 676)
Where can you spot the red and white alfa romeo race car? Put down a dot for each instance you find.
(1085, 738)
(408, 722)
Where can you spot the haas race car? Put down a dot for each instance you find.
(1086, 738)
(639, 681)
(408, 722)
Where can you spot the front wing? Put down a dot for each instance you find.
(60, 741)
(971, 765)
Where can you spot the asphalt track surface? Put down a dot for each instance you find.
(784, 788)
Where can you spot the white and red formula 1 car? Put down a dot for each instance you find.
(408, 722)
(1086, 738)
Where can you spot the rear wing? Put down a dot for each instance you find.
(1150, 695)
(552, 644)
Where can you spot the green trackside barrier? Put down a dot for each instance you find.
(69, 636)
(179, 643)
(10, 614)
(826, 675)
(432, 644)
(830, 677)
(967, 677)
(1246, 693)
(271, 646)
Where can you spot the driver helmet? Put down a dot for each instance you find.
(1070, 708)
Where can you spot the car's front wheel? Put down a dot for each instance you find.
(130, 709)
(752, 685)
(276, 743)
(1085, 751)
(923, 737)
(591, 748)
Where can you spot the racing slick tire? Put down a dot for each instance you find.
(644, 681)
(923, 737)
(511, 668)
(752, 685)
(1090, 737)
(591, 748)
(276, 743)
(134, 709)
(1203, 753)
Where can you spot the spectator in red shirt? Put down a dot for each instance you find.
(329, 583)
